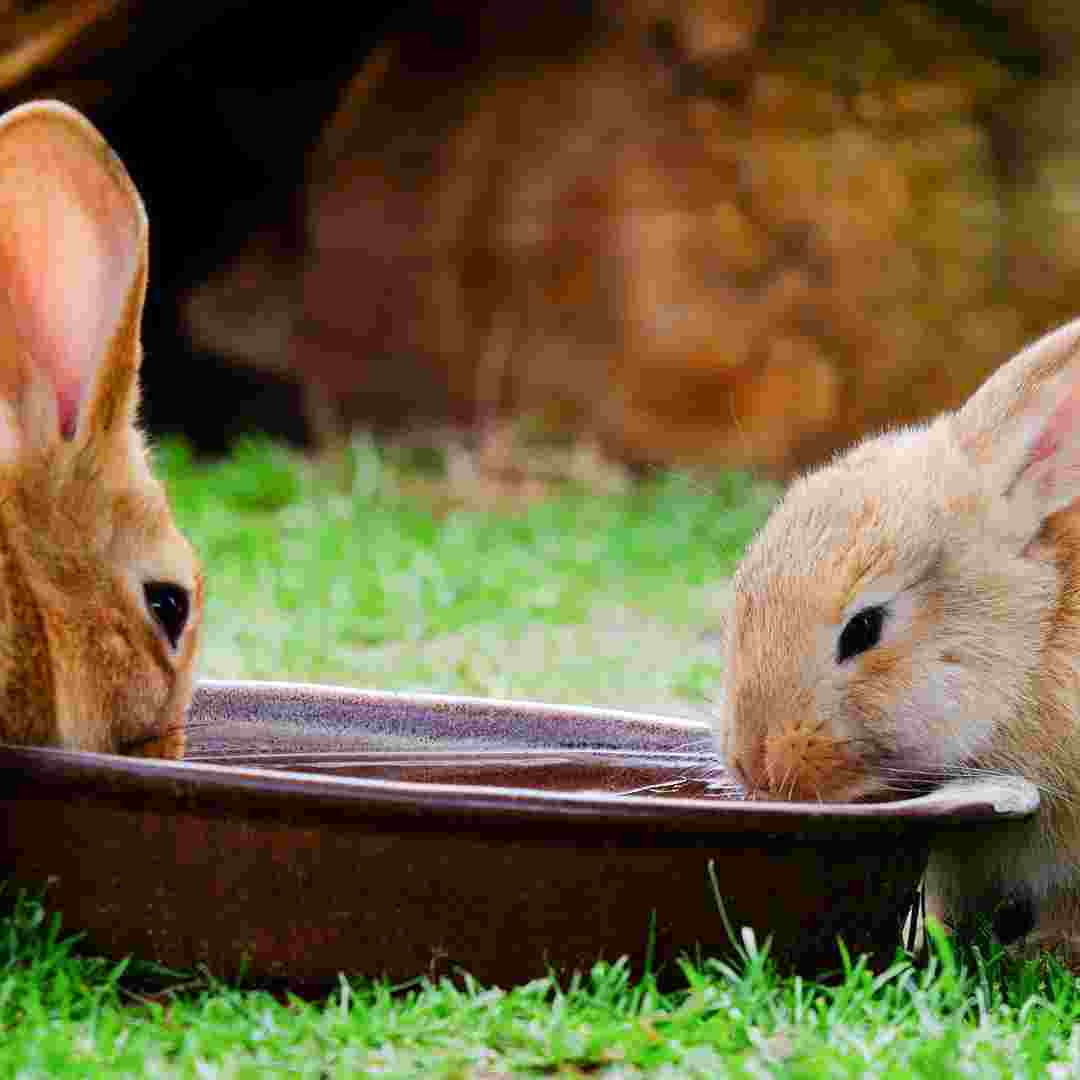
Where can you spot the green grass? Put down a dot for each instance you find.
(592, 598)
(66, 1015)
(371, 587)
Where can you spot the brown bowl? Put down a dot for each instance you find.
(315, 830)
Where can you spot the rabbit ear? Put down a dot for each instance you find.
(73, 242)
(1023, 425)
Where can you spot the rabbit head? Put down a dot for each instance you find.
(100, 594)
(893, 618)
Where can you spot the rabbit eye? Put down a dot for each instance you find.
(170, 605)
(863, 631)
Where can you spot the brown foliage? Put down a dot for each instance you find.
(694, 231)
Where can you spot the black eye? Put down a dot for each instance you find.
(169, 604)
(862, 632)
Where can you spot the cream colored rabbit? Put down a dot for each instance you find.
(100, 595)
(911, 613)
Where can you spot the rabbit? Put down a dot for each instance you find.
(100, 594)
(909, 614)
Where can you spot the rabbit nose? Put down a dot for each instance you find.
(750, 768)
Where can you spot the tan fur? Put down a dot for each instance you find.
(967, 533)
(83, 523)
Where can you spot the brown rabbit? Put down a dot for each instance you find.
(911, 613)
(100, 595)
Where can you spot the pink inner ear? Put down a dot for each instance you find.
(1063, 423)
(1053, 454)
(69, 249)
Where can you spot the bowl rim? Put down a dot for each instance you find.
(34, 772)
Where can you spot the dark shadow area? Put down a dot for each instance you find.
(216, 135)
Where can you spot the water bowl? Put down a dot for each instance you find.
(313, 830)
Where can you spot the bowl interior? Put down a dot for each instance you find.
(375, 744)
(608, 772)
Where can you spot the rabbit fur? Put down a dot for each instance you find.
(909, 614)
(100, 594)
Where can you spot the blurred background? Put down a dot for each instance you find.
(698, 232)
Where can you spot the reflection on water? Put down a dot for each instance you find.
(686, 787)
(677, 774)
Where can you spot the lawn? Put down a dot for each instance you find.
(380, 575)
(381, 571)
